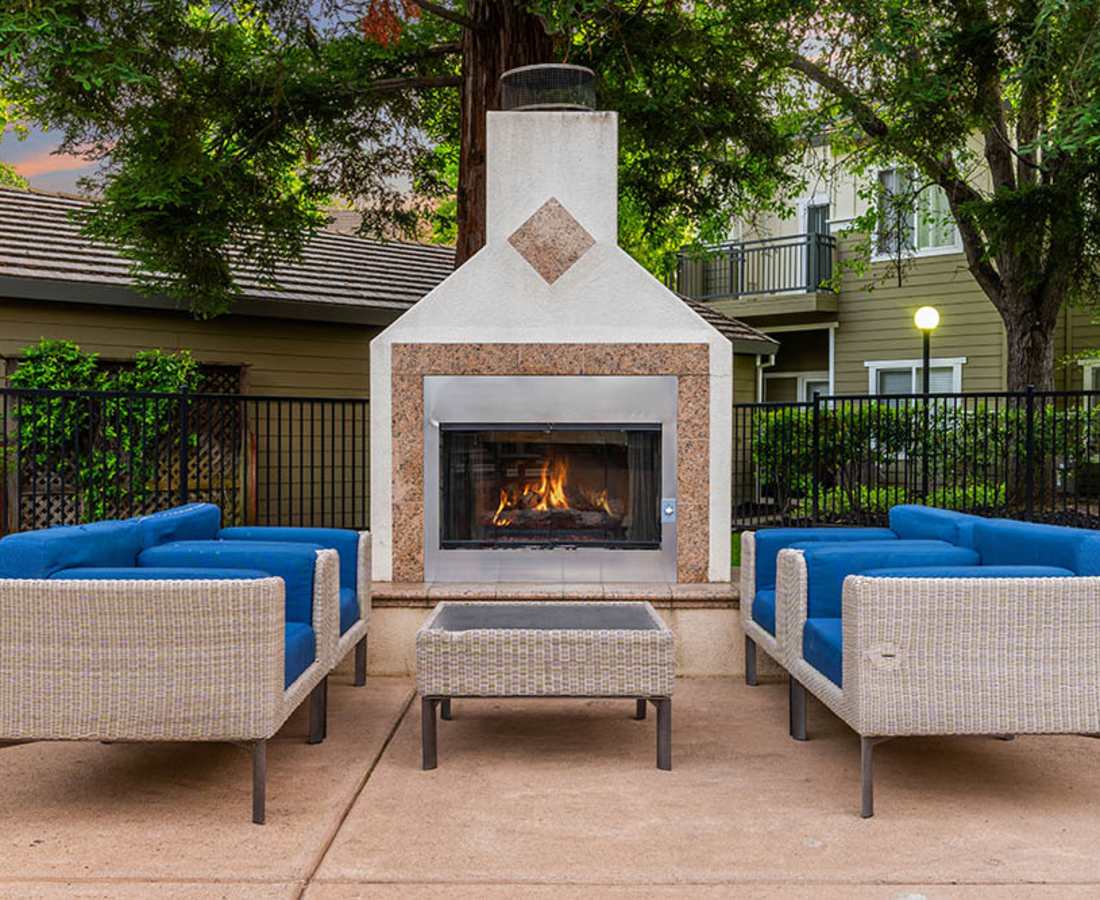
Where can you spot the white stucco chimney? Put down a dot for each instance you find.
(569, 156)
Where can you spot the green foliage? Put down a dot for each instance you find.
(9, 122)
(226, 128)
(106, 447)
(870, 455)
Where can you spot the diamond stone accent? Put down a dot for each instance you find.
(551, 240)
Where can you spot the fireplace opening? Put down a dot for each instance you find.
(550, 485)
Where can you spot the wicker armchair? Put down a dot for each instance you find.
(140, 659)
(995, 654)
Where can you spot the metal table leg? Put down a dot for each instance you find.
(664, 732)
(427, 732)
(639, 709)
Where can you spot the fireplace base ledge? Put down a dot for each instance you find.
(708, 595)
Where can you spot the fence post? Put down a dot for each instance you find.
(185, 460)
(1029, 454)
(816, 454)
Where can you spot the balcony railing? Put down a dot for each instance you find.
(800, 263)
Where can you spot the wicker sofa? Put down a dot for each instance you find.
(147, 629)
(985, 627)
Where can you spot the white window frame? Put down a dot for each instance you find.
(956, 363)
(801, 379)
(1088, 366)
(913, 252)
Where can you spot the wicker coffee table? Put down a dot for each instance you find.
(554, 649)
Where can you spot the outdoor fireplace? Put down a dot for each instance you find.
(551, 414)
(548, 485)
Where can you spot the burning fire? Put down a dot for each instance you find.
(548, 492)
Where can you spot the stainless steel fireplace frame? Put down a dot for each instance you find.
(535, 400)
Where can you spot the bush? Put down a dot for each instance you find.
(107, 449)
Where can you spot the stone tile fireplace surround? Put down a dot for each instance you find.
(552, 295)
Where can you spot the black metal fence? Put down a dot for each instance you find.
(800, 262)
(69, 457)
(1029, 455)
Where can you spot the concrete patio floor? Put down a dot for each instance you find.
(555, 799)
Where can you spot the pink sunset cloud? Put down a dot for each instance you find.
(45, 162)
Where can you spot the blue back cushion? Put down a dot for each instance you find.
(38, 554)
(827, 566)
(763, 610)
(299, 651)
(190, 522)
(769, 541)
(1003, 542)
(294, 563)
(912, 522)
(151, 574)
(343, 540)
(823, 648)
(971, 572)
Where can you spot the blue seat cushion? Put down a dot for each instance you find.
(763, 610)
(294, 563)
(343, 540)
(299, 651)
(190, 522)
(910, 521)
(970, 572)
(1003, 542)
(827, 565)
(38, 554)
(769, 541)
(349, 609)
(822, 648)
(135, 573)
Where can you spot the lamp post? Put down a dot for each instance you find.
(926, 320)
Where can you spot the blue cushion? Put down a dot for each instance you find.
(910, 521)
(769, 541)
(150, 574)
(822, 648)
(299, 651)
(349, 609)
(827, 566)
(763, 610)
(970, 572)
(294, 563)
(38, 554)
(343, 540)
(1004, 542)
(190, 522)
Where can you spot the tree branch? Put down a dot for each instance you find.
(867, 118)
(386, 85)
(449, 14)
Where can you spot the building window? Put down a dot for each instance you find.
(905, 225)
(905, 376)
(795, 387)
(1090, 374)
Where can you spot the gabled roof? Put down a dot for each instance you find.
(341, 277)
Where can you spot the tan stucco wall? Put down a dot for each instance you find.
(876, 322)
(283, 356)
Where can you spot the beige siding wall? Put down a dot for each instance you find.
(1077, 332)
(876, 322)
(282, 356)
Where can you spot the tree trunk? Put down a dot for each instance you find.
(1030, 339)
(505, 36)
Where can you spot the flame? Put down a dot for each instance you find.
(545, 494)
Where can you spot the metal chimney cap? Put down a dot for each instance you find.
(548, 86)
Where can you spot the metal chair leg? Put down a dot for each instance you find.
(259, 782)
(318, 712)
(797, 701)
(664, 732)
(361, 662)
(639, 709)
(750, 661)
(428, 758)
(867, 774)
(445, 709)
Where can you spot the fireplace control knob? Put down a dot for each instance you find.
(668, 511)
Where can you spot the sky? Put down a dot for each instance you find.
(35, 160)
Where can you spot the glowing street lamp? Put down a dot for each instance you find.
(926, 320)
